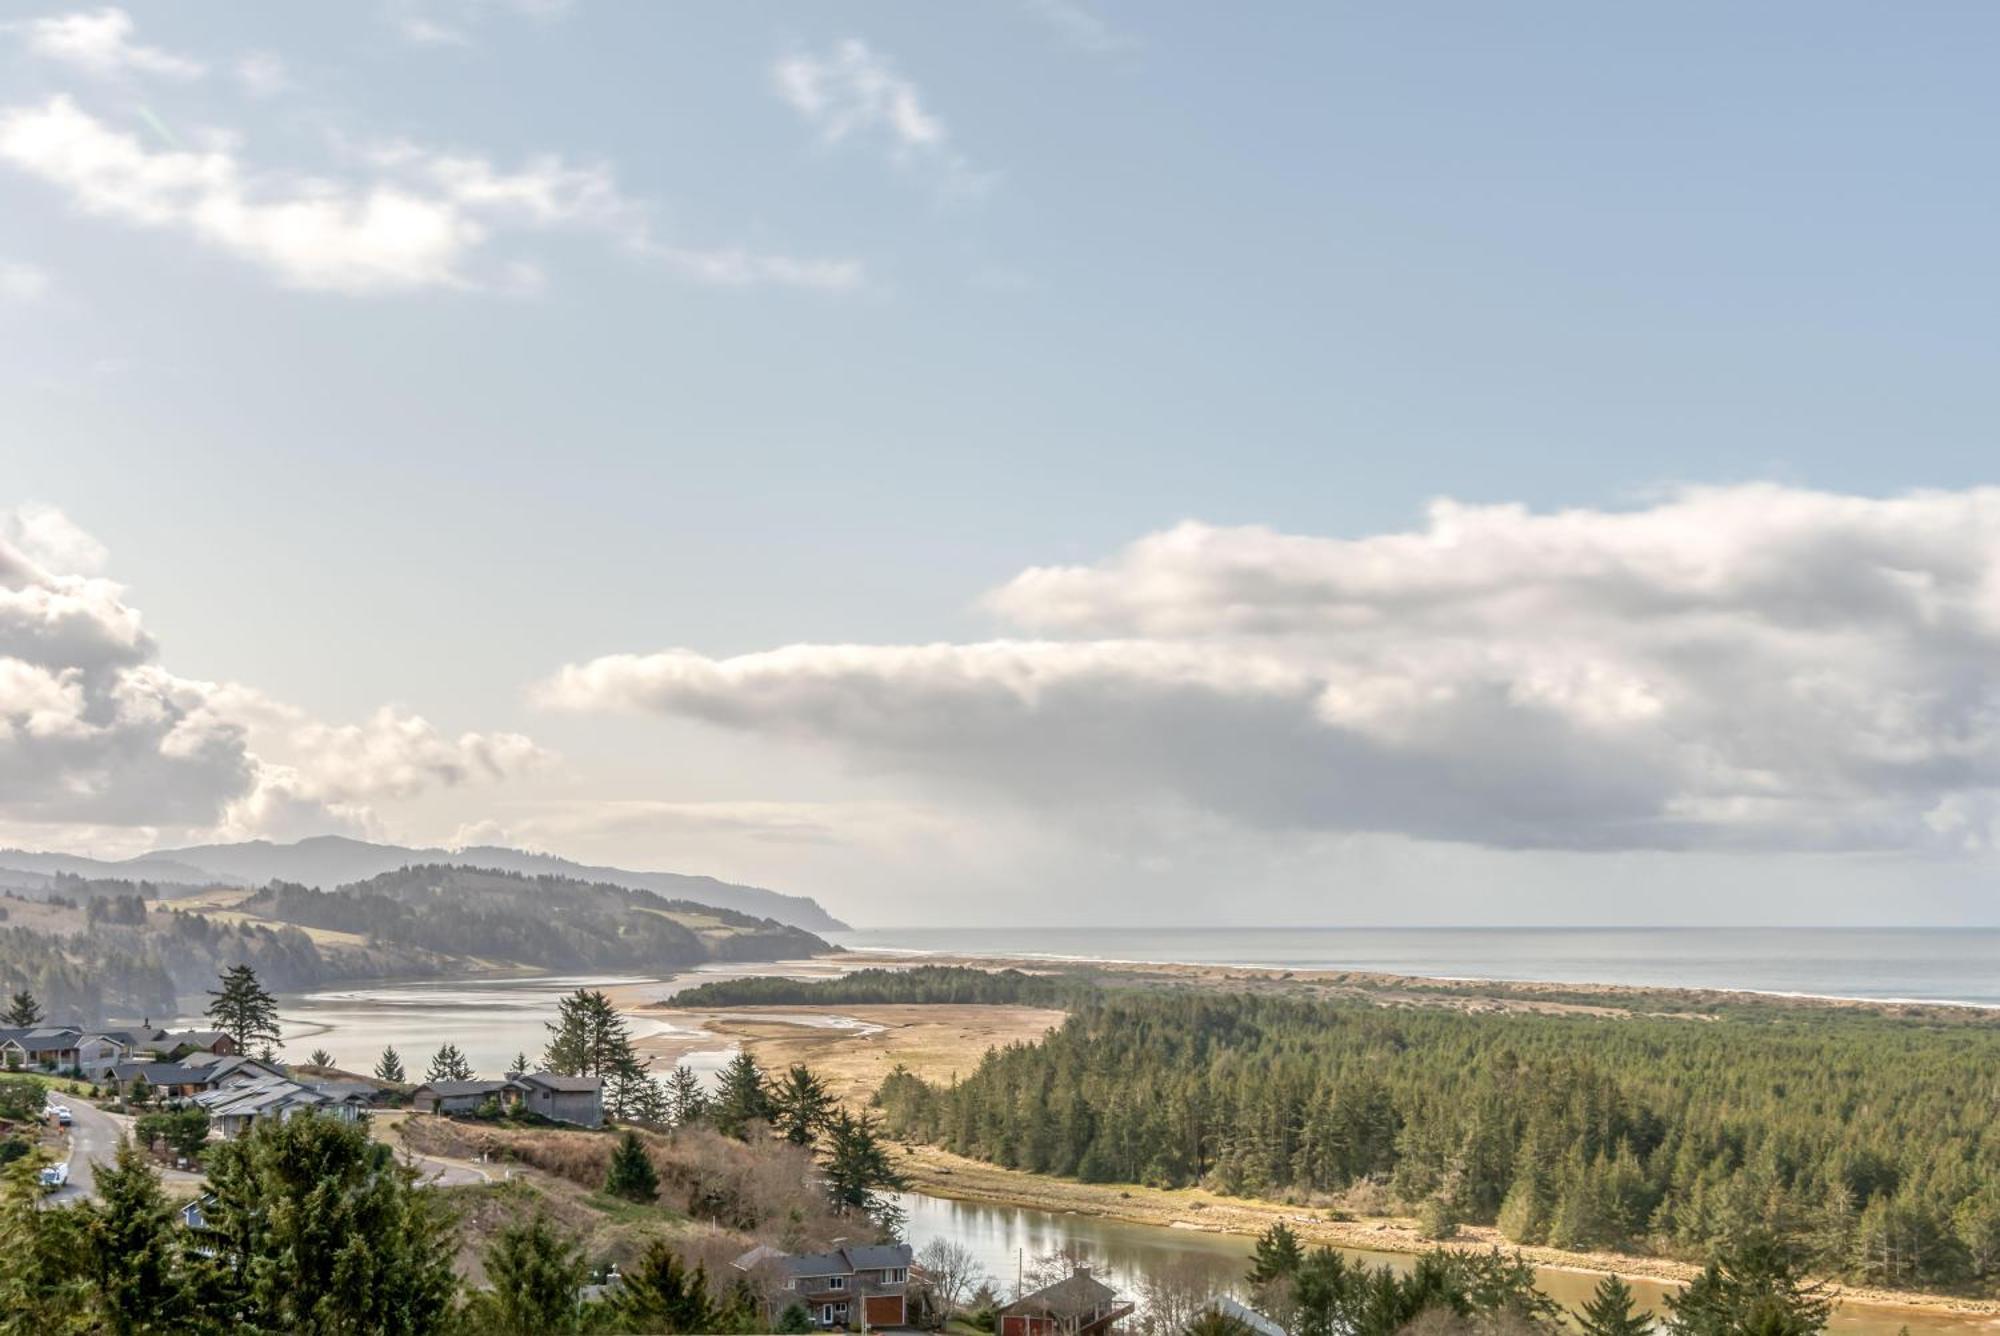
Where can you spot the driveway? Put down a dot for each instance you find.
(93, 1140)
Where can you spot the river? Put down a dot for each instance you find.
(493, 1019)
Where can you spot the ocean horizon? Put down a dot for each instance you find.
(1959, 965)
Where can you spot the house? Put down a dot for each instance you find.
(455, 1096)
(1237, 1314)
(851, 1286)
(179, 1043)
(1079, 1305)
(564, 1099)
(357, 1095)
(50, 1047)
(192, 1075)
(237, 1107)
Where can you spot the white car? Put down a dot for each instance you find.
(55, 1176)
(61, 1112)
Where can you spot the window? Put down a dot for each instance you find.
(836, 1282)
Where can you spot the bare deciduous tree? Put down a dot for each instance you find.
(950, 1273)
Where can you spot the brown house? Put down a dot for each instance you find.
(1082, 1305)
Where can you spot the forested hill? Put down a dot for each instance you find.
(1868, 1142)
(546, 922)
(939, 984)
(328, 861)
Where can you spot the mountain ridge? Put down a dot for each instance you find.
(328, 861)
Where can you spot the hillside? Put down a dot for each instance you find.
(546, 922)
(328, 861)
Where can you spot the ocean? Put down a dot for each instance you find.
(1909, 964)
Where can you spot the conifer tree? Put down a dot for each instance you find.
(520, 1064)
(632, 1175)
(314, 1227)
(390, 1068)
(1611, 1311)
(244, 1011)
(1754, 1286)
(801, 1105)
(320, 1058)
(1276, 1255)
(686, 1101)
(135, 1258)
(448, 1065)
(23, 1013)
(535, 1273)
(857, 1171)
(660, 1294)
(741, 1098)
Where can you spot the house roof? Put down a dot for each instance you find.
(1078, 1294)
(455, 1089)
(52, 1036)
(199, 1038)
(565, 1084)
(1237, 1311)
(157, 1073)
(347, 1090)
(757, 1256)
(847, 1260)
(255, 1097)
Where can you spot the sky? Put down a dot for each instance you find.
(1033, 463)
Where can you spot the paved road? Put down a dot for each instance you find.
(93, 1139)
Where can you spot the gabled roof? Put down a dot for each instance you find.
(1078, 1294)
(255, 1097)
(757, 1256)
(846, 1261)
(566, 1084)
(52, 1036)
(157, 1073)
(454, 1089)
(1236, 1311)
(345, 1091)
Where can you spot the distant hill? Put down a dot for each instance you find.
(327, 861)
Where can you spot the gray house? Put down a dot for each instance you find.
(565, 1099)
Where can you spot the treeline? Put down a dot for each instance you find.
(1867, 1143)
(924, 984)
(121, 969)
(551, 922)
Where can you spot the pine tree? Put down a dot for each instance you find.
(802, 1106)
(1277, 1254)
(632, 1175)
(1754, 1286)
(448, 1065)
(24, 1013)
(315, 1227)
(320, 1058)
(1611, 1311)
(660, 1294)
(520, 1064)
(741, 1099)
(244, 1011)
(687, 1102)
(135, 1261)
(535, 1274)
(857, 1170)
(390, 1068)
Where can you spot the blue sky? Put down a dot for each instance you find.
(835, 318)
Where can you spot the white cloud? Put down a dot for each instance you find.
(263, 74)
(855, 92)
(1080, 25)
(22, 282)
(420, 31)
(422, 220)
(95, 734)
(102, 44)
(1751, 667)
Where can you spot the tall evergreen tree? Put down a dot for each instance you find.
(45, 1282)
(857, 1171)
(23, 1012)
(134, 1249)
(320, 1058)
(741, 1098)
(243, 1010)
(315, 1228)
(801, 1105)
(632, 1175)
(390, 1068)
(449, 1064)
(536, 1276)
(1753, 1288)
(1612, 1311)
(660, 1294)
(520, 1064)
(686, 1101)
(1276, 1255)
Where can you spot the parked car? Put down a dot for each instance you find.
(55, 1176)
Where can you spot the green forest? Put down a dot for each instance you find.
(1867, 1142)
(547, 921)
(940, 984)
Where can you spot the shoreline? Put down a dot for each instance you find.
(853, 1045)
